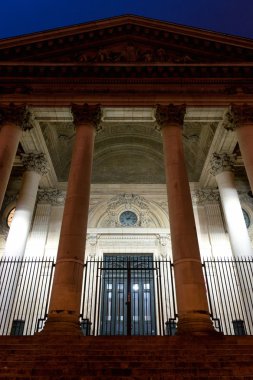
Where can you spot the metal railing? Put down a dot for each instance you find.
(229, 284)
(125, 296)
(25, 286)
(128, 296)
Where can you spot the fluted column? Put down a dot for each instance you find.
(13, 119)
(222, 166)
(35, 166)
(65, 301)
(193, 313)
(243, 122)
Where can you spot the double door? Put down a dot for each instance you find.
(128, 303)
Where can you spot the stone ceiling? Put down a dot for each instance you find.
(128, 147)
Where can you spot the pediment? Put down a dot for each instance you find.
(127, 39)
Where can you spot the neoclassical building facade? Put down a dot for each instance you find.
(120, 139)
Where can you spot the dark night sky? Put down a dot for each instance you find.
(226, 16)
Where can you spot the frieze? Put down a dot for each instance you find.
(35, 162)
(202, 196)
(131, 53)
(54, 197)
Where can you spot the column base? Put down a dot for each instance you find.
(62, 322)
(195, 323)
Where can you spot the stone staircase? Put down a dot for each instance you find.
(149, 358)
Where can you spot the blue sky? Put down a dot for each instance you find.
(26, 16)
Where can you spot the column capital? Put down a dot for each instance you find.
(35, 162)
(243, 114)
(228, 121)
(16, 114)
(221, 162)
(170, 114)
(86, 113)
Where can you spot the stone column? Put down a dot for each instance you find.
(36, 166)
(13, 119)
(193, 313)
(241, 117)
(65, 301)
(222, 166)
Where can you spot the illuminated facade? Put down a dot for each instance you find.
(104, 127)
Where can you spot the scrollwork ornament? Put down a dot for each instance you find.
(86, 114)
(171, 114)
(243, 114)
(18, 115)
(222, 162)
(35, 162)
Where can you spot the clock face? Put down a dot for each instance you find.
(128, 218)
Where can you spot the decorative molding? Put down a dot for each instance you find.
(202, 196)
(164, 206)
(132, 202)
(35, 162)
(165, 244)
(222, 162)
(92, 240)
(86, 114)
(243, 114)
(51, 196)
(18, 115)
(131, 53)
(171, 114)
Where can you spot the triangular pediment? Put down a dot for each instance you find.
(127, 39)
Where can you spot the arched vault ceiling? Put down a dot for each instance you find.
(128, 147)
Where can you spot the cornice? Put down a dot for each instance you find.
(106, 71)
(125, 21)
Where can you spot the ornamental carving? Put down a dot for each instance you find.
(86, 114)
(92, 240)
(164, 244)
(18, 115)
(129, 202)
(170, 114)
(242, 114)
(228, 121)
(202, 196)
(131, 53)
(222, 162)
(35, 162)
(54, 197)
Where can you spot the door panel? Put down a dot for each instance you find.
(128, 304)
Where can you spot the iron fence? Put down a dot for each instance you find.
(128, 296)
(229, 284)
(25, 286)
(125, 295)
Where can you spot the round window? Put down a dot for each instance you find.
(246, 218)
(10, 217)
